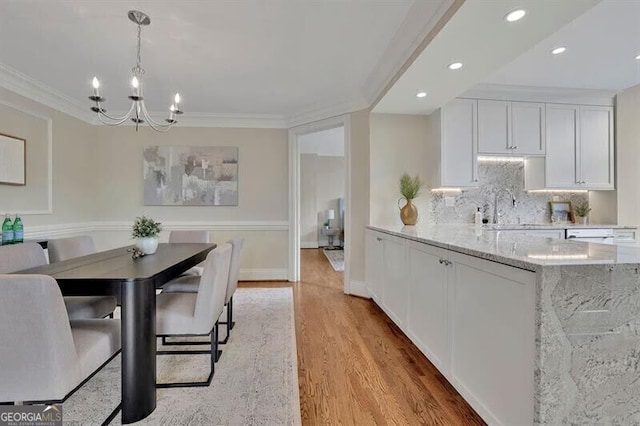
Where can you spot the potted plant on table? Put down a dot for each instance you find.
(410, 189)
(146, 231)
(582, 210)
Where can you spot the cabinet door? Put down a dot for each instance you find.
(459, 148)
(562, 138)
(493, 127)
(493, 339)
(527, 128)
(595, 159)
(394, 293)
(427, 312)
(373, 267)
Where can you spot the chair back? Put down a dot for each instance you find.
(17, 257)
(234, 268)
(39, 360)
(189, 237)
(213, 287)
(68, 248)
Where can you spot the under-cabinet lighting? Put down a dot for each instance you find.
(492, 159)
(446, 190)
(575, 191)
(516, 15)
(558, 256)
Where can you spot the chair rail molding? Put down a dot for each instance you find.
(49, 121)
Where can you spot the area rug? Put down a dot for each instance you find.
(336, 258)
(255, 383)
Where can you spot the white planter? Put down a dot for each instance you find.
(147, 245)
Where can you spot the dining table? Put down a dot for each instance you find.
(134, 283)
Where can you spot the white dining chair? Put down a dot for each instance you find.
(18, 257)
(45, 356)
(189, 284)
(196, 314)
(78, 307)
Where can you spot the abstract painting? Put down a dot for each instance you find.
(190, 176)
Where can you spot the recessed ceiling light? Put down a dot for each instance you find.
(516, 15)
(421, 94)
(638, 57)
(558, 50)
(455, 66)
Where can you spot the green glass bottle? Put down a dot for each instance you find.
(18, 230)
(7, 231)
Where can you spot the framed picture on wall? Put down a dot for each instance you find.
(12, 160)
(561, 212)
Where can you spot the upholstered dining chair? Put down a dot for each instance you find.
(45, 357)
(196, 314)
(189, 284)
(18, 257)
(190, 237)
(67, 248)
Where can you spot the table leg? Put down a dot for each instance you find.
(138, 350)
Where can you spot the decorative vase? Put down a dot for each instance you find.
(147, 245)
(408, 213)
(584, 220)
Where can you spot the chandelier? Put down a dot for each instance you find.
(138, 112)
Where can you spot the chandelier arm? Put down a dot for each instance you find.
(116, 120)
(152, 122)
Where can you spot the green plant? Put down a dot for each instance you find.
(145, 227)
(410, 186)
(582, 209)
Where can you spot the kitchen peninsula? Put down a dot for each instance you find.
(529, 330)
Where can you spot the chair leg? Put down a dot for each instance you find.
(229, 322)
(213, 352)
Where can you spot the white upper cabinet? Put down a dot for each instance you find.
(506, 127)
(494, 127)
(595, 151)
(452, 150)
(562, 141)
(527, 128)
(580, 149)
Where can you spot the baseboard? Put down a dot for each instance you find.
(309, 245)
(359, 288)
(263, 274)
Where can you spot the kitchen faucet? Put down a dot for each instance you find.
(496, 215)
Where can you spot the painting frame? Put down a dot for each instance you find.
(561, 210)
(13, 170)
(177, 175)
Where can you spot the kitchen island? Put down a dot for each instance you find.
(529, 330)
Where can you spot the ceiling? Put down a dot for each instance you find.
(479, 37)
(276, 58)
(601, 48)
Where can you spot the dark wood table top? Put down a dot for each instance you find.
(104, 272)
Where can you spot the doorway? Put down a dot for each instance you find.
(319, 196)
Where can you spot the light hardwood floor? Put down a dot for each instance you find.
(355, 367)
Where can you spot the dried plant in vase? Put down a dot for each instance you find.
(410, 190)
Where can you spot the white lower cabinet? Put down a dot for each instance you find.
(427, 313)
(473, 318)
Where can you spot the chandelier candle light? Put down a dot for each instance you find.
(138, 111)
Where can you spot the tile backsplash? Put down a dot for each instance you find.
(532, 207)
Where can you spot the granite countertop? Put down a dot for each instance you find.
(514, 249)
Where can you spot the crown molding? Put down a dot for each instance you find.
(561, 95)
(20, 83)
(407, 40)
(35, 90)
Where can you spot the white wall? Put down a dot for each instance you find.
(397, 146)
(97, 184)
(308, 201)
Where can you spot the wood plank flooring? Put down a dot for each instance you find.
(355, 367)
